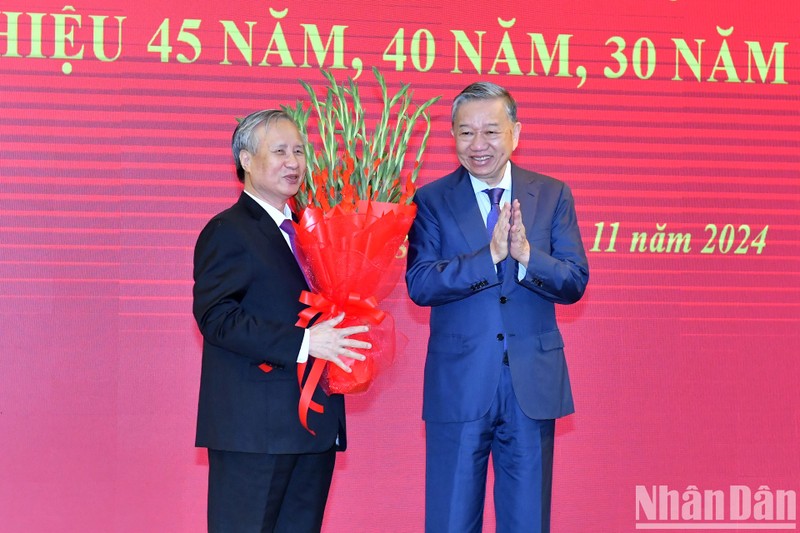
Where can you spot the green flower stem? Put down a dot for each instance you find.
(377, 159)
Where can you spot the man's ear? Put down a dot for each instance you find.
(244, 159)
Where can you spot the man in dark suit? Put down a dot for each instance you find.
(266, 471)
(492, 249)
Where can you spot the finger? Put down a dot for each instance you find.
(505, 221)
(354, 355)
(517, 212)
(352, 330)
(499, 233)
(334, 321)
(338, 362)
(517, 209)
(353, 343)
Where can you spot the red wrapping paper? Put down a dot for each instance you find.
(348, 252)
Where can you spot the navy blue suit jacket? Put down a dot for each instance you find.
(474, 315)
(247, 284)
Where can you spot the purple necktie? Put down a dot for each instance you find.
(288, 227)
(491, 219)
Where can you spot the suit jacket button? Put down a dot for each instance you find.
(503, 299)
(500, 336)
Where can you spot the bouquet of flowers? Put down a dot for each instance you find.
(355, 212)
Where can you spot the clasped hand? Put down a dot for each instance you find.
(509, 236)
(328, 342)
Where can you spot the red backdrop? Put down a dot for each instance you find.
(676, 124)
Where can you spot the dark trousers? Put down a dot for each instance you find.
(267, 493)
(457, 462)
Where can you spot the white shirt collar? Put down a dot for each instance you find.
(274, 213)
(505, 183)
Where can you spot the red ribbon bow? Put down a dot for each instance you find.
(355, 306)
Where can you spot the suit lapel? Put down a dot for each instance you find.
(465, 211)
(525, 188)
(263, 221)
(269, 230)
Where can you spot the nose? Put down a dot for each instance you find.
(478, 142)
(292, 161)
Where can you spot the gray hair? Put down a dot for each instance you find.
(485, 90)
(245, 136)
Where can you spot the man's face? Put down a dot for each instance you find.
(274, 173)
(485, 138)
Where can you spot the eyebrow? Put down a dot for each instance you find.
(286, 145)
(483, 127)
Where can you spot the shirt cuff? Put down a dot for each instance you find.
(521, 272)
(302, 357)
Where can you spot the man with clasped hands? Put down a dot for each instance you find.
(492, 249)
(266, 471)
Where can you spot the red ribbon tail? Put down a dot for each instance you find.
(307, 391)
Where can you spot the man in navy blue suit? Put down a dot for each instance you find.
(492, 249)
(267, 473)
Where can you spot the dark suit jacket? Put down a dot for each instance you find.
(246, 290)
(473, 314)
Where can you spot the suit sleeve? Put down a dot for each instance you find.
(223, 274)
(561, 275)
(433, 279)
